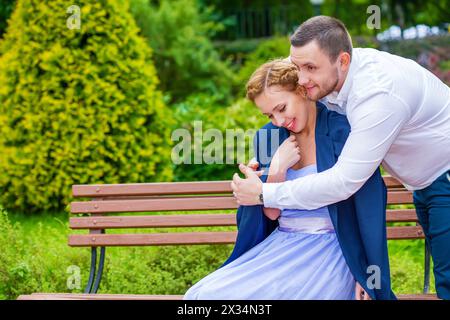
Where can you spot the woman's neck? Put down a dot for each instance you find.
(310, 127)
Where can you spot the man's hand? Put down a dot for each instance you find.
(247, 191)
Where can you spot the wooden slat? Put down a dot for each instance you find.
(192, 220)
(161, 221)
(148, 205)
(82, 296)
(179, 238)
(97, 296)
(412, 232)
(191, 203)
(169, 188)
(401, 215)
(153, 239)
(391, 182)
(399, 197)
(151, 189)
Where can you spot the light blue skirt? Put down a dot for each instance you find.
(287, 265)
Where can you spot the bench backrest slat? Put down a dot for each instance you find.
(153, 239)
(191, 220)
(151, 189)
(149, 205)
(160, 221)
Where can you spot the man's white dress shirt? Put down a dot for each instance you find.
(399, 114)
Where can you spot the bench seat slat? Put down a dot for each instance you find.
(150, 205)
(153, 239)
(97, 296)
(100, 296)
(160, 221)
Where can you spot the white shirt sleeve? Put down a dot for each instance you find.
(375, 124)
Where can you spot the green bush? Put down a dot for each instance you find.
(179, 33)
(77, 106)
(5, 12)
(268, 50)
(241, 119)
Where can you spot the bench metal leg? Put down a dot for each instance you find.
(92, 272)
(101, 263)
(426, 278)
(92, 286)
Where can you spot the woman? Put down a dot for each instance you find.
(299, 254)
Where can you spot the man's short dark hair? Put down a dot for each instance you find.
(330, 34)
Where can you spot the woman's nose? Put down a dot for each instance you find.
(279, 121)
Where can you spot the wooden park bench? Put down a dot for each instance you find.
(107, 200)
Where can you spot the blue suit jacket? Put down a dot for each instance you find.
(359, 222)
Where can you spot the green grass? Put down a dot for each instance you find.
(35, 258)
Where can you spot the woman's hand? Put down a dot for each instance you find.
(360, 293)
(287, 154)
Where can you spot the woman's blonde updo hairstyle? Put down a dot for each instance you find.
(277, 72)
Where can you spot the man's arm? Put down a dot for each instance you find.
(375, 124)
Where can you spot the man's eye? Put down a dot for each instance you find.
(311, 68)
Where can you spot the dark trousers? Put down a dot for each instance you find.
(433, 211)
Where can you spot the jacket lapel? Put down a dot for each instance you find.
(325, 153)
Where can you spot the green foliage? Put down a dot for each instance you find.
(77, 106)
(179, 33)
(268, 50)
(241, 119)
(6, 9)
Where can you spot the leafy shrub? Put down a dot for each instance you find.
(240, 119)
(77, 106)
(179, 33)
(268, 50)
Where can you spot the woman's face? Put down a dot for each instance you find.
(284, 108)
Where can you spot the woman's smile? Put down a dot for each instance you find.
(291, 125)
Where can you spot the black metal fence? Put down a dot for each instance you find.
(261, 22)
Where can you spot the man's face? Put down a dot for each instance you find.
(317, 73)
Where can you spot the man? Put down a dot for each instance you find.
(400, 117)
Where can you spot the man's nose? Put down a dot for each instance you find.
(302, 79)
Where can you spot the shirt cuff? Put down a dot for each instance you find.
(270, 194)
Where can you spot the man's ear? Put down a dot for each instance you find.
(344, 61)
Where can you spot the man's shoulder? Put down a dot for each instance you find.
(370, 76)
